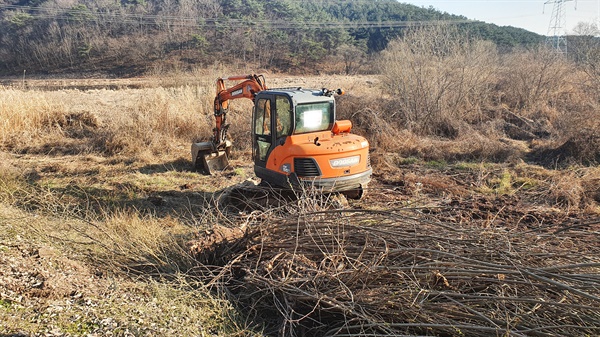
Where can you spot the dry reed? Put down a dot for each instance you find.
(26, 115)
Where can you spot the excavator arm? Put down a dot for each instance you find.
(248, 88)
(212, 155)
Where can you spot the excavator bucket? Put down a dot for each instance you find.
(208, 160)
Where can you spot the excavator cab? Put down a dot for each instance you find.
(296, 140)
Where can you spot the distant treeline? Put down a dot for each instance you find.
(129, 36)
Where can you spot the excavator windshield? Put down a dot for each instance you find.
(314, 117)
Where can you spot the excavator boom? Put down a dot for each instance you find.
(213, 155)
(248, 88)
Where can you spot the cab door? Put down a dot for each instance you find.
(262, 126)
(271, 124)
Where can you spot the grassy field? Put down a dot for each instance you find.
(99, 204)
(85, 248)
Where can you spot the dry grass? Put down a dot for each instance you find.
(159, 120)
(49, 289)
(73, 264)
(535, 79)
(140, 243)
(26, 116)
(438, 77)
(484, 106)
(135, 121)
(103, 177)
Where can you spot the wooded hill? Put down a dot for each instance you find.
(133, 36)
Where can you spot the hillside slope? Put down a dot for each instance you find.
(133, 36)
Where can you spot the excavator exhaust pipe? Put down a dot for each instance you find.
(207, 159)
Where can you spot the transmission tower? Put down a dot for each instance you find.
(556, 38)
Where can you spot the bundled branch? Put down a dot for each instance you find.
(380, 273)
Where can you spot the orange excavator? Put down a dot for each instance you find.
(296, 139)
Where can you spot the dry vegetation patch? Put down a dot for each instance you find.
(67, 270)
(460, 232)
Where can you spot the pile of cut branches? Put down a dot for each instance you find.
(379, 273)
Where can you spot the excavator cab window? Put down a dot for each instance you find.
(284, 116)
(313, 117)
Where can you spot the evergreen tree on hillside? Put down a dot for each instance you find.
(128, 35)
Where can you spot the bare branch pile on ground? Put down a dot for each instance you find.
(401, 272)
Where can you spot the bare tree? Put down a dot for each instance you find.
(352, 56)
(587, 29)
(438, 76)
(585, 49)
(534, 78)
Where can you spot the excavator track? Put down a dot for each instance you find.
(249, 196)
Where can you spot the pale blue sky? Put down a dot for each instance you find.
(531, 15)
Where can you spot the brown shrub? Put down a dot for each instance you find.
(591, 186)
(581, 147)
(368, 115)
(565, 190)
(537, 78)
(471, 146)
(240, 119)
(371, 117)
(437, 78)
